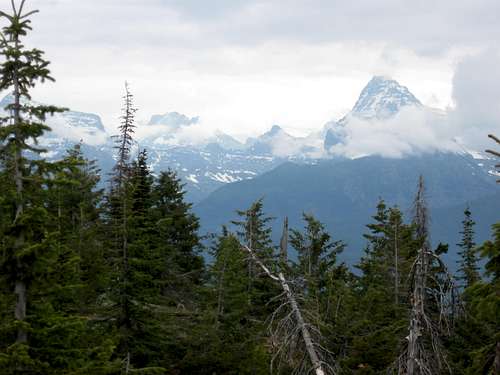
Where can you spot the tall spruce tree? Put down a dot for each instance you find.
(236, 347)
(176, 243)
(468, 268)
(40, 267)
(119, 198)
(320, 284)
(317, 255)
(381, 292)
(20, 71)
(254, 231)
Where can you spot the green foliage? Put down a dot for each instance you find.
(381, 315)
(484, 310)
(254, 231)
(238, 344)
(468, 268)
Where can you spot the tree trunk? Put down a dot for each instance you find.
(20, 310)
(496, 363)
(220, 297)
(20, 288)
(284, 242)
(306, 336)
(417, 315)
(396, 266)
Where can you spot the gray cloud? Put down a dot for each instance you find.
(427, 27)
(245, 64)
(476, 88)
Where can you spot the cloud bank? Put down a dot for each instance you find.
(474, 115)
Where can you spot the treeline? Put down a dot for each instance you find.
(113, 281)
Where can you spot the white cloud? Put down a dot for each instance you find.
(411, 131)
(476, 93)
(242, 65)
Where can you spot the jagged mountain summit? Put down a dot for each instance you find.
(383, 97)
(380, 100)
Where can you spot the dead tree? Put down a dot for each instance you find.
(284, 243)
(432, 299)
(293, 335)
(495, 153)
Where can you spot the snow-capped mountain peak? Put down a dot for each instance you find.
(383, 97)
(73, 125)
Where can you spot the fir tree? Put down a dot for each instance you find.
(237, 346)
(254, 231)
(177, 225)
(468, 268)
(484, 306)
(381, 291)
(317, 253)
(41, 265)
(21, 70)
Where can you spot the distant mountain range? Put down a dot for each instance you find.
(209, 162)
(313, 173)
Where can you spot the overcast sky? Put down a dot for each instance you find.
(245, 65)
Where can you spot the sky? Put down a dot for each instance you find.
(243, 66)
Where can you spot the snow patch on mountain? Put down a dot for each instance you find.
(69, 125)
(382, 98)
(192, 178)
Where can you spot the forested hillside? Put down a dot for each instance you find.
(113, 281)
(344, 193)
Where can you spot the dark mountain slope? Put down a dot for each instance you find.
(344, 193)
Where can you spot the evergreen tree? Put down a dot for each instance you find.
(158, 274)
(118, 214)
(381, 293)
(21, 70)
(321, 284)
(39, 269)
(176, 242)
(177, 225)
(484, 308)
(468, 268)
(317, 254)
(235, 346)
(255, 232)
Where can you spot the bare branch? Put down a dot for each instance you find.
(494, 138)
(292, 331)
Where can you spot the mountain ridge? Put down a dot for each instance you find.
(211, 161)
